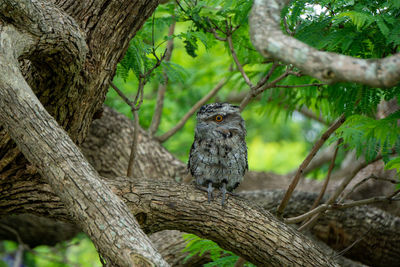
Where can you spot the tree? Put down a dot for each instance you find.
(58, 59)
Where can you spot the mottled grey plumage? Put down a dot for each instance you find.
(218, 157)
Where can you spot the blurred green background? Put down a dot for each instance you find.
(278, 136)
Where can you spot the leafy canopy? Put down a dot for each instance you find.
(364, 29)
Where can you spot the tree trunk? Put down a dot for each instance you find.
(64, 53)
(68, 66)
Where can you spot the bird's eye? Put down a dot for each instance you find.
(218, 118)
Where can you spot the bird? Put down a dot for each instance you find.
(218, 156)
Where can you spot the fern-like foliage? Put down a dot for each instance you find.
(220, 257)
(369, 136)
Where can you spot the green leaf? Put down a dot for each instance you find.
(393, 164)
(191, 44)
(382, 26)
(360, 19)
(175, 72)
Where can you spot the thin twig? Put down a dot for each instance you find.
(328, 176)
(367, 201)
(218, 37)
(305, 163)
(136, 121)
(133, 153)
(201, 102)
(135, 106)
(350, 177)
(288, 31)
(336, 194)
(155, 121)
(262, 87)
(324, 207)
(306, 215)
(308, 113)
(253, 90)
(121, 94)
(364, 181)
(179, 4)
(342, 252)
(19, 255)
(13, 231)
(300, 85)
(21, 245)
(265, 79)
(158, 63)
(140, 93)
(237, 62)
(274, 82)
(235, 28)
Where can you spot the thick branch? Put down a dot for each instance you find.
(267, 37)
(340, 228)
(107, 148)
(58, 39)
(92, 205)
(245, 224)
(248, 231)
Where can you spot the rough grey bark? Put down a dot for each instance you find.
(106, 28)
(34, 231)
(171, 244)
(377, 232)
(90, 203)
(107, 148)
(105, 145)
(70, 77)
(270, 41)
(160, 205)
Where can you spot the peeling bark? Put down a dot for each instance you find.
(270, 41)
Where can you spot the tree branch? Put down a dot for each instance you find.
(334, 196)
(236, 60)
(47, 146)
(137, 102)
(160, 205)
(309, 114)
(252, 92)
(134, 111)
(328, 176)
(299, 85)
(306, 161)
(338, 227)
(267, 37)
(156, 119)
(323, 207)
(107, 149)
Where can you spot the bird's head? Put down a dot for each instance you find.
(219, 120)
